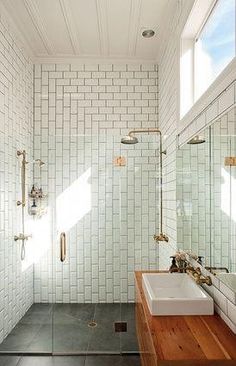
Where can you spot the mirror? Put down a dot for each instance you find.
(206, 197)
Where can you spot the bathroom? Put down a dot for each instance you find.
(117, 170)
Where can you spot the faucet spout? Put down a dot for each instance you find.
(197, 275)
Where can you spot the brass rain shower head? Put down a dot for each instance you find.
(129, 140)
(196, 140)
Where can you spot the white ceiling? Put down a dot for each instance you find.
(92, 29)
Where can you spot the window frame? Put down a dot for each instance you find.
(197, 19)
(205, 20)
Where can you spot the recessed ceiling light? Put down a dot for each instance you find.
(148, 33)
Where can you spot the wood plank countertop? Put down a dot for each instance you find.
(183, 340)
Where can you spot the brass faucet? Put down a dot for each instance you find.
(196, 274)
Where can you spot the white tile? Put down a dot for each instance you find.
(230, 294)
(226, 99)
(232, 312)
(212, 112)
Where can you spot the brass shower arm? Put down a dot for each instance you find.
(144, 130)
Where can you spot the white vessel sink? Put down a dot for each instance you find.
(175, 294)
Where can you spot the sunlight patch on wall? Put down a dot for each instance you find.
(74, 203)
(228, 194)
(37, 246)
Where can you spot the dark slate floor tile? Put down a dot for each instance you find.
(69, 331)
(113, 360)
(36, 361)
(105, 313)
(36, 318)
(108, 360)
(42, 341)
(9, 360)
(81, 312)
(68, 361)
(129, 342)
(19, 338)
(104, 338)
(128, 311)
(70, 338)
(129, 339)
(41, 308)
(130, 360)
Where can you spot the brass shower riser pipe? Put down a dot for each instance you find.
(161, 237)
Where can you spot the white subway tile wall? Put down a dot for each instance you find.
(16, 132)
(109, 213)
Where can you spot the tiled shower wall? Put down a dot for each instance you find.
(16, 132)
(109, 213)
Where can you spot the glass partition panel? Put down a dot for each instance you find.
(86, 222)
(92, 212)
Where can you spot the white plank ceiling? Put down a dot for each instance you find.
(92, 29)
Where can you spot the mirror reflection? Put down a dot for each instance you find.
(206, 197)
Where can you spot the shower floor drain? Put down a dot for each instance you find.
(92, 324)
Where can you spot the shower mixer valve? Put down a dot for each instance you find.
(161, 237)
(22, 237)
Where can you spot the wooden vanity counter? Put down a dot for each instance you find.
(181, 340)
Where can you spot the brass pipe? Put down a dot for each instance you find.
(212, 269)
(63, 247)
(161, 236)
(22, 236)
(23, 173)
